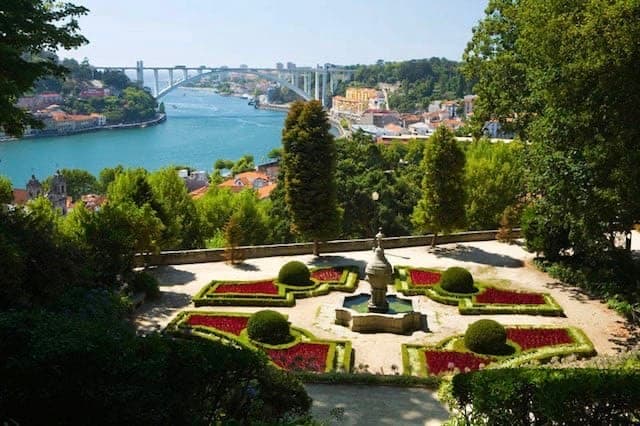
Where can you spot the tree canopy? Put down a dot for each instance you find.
(309, 162)
(441, 208)
(564, 76)
(28, 27)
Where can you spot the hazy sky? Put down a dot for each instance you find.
(261, 33)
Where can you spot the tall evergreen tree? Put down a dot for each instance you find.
(441, 208)
(309, 161)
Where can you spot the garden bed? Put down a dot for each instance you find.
(529, 343)
(273, 293)
(485, 300)
(304, 353)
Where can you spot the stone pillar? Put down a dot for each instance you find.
(140, 74)
(156, 82)
(170, 77)
(317, 91)
(185, 73)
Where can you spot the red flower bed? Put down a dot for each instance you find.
(424, 278)
(229, 324)
(262, 287)
(538, 337)
(442, 361)
(493, 295)
(303, 356)
(329, 274)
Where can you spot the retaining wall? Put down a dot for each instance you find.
(215, 255)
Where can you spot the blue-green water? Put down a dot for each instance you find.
(201, 128)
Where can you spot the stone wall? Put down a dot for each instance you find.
(215, 255)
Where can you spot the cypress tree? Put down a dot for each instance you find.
(309, 161)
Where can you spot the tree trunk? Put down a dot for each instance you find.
(433, 240)
(316, 248)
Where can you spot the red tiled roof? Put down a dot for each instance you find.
(199, 193)
(20, 196)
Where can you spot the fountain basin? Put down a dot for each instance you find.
(399, 319)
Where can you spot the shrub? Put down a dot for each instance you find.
(486, 337)
(457, 280)
(294, 273)
(146, 283)
(269, 327)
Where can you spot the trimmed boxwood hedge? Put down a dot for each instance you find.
(286, 294)
(295, 273)
(457, 280)
(269, 327)
(550, 396)
(486, 337)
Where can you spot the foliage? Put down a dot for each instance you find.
(269, 327)
(108, 175)
(548, 396)
(294, 273)
(457, 280)
(146, 283)
(27, 28)
(486, 336)
(441, 208)
(421, 81)
(6, 190)
(233, 234)
(494, 181)
(562, 74)
(309, 160)
(75, 368)
(78, 182)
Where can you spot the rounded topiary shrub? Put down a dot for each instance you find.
(457, 280)
(269, 327)
(294, 273)
(486, 337)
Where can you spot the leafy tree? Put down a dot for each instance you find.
(563, 75)
(244, 164)
(108, 175)
(182, 221)
(275, 153)
(310, 160)
(79, 182)
(27, 28)
(441, 208)
(233, 234)
(161, 108)
(6, 190)
(494, 180)
(116, 79)
(221, 164)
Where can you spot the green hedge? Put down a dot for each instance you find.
(286, 294)
(466, 301)
(549, 396)
(339, 359)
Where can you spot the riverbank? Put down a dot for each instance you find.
(274, 107)
(159, 118)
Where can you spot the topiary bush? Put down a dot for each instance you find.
(457, 280)
(269, 327)
(294, 273)
(487, 337)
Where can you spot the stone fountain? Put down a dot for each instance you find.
(378, 312)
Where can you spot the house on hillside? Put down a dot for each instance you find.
(259, 181)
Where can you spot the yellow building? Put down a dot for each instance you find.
(356, 100)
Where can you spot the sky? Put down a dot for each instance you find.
(261, 33)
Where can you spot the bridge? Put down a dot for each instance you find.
(300, 80)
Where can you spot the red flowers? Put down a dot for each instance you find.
(229, 324)
(262, 287)
(424, 278)
(303, 356)
(494, 295)
(442, 361)
(530, 338)
(327, 274)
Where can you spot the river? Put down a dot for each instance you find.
(201, 127)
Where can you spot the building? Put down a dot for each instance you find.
(271, 169)
(194, 180)
(40, 101)
(279, 66)
(291, 66)
(469, 102)
(258, 181)
(94, 92)
(357, 100)
(58, 193)
(379, 118)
